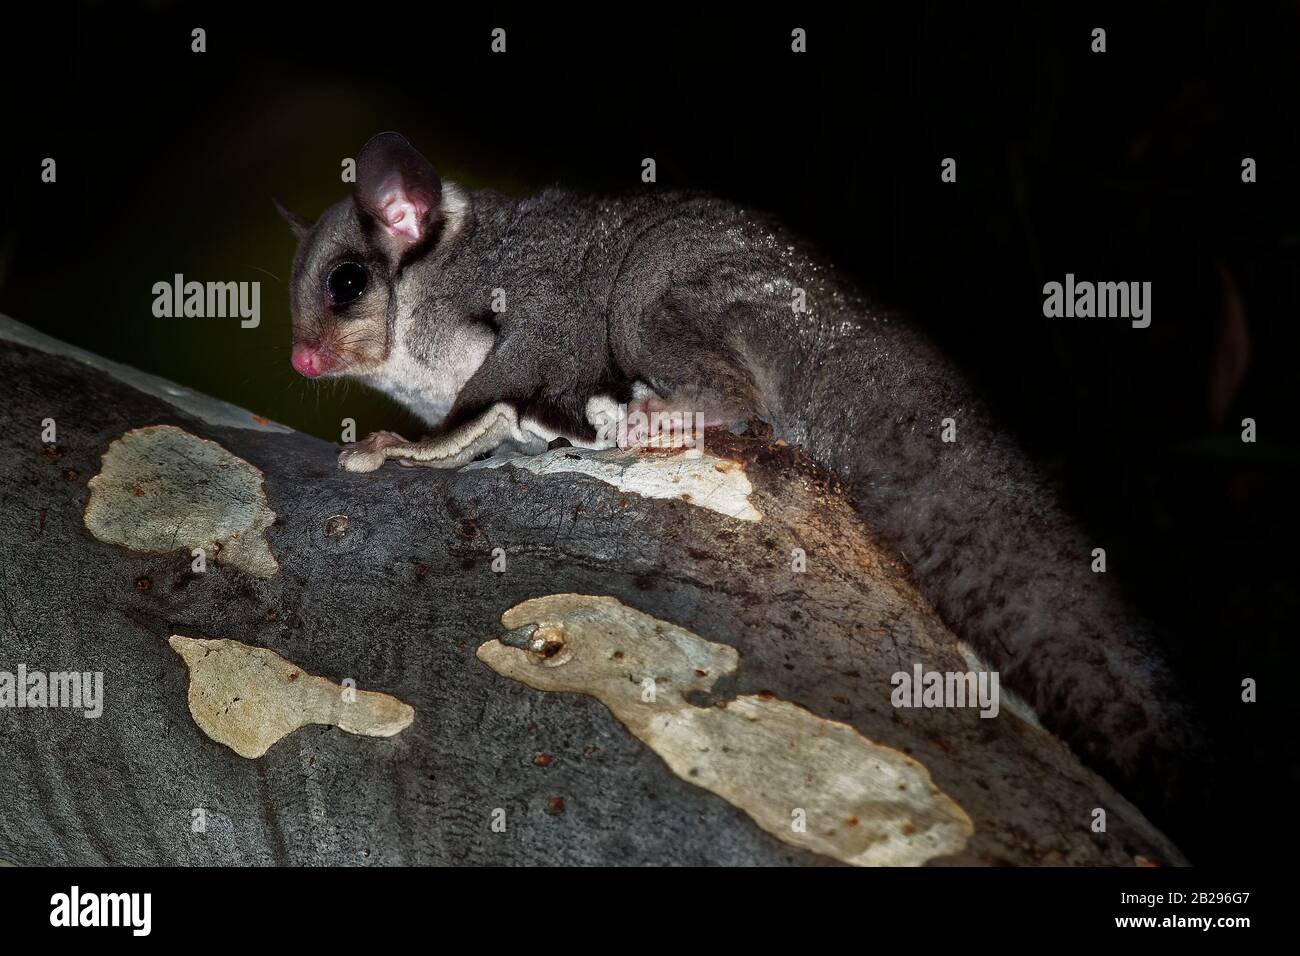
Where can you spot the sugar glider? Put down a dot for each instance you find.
(497, 319)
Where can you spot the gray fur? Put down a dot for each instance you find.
(692, 295)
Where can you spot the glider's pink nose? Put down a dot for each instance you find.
(308, 361)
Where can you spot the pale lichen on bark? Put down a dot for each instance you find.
(249, 698)
(162, 489)
(703, 480)
(812, 782)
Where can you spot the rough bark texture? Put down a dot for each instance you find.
(398, 596)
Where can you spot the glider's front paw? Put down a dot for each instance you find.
(646, 423)
(625, 426)
(370, 453)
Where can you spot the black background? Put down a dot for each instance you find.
(1122, 166)
(593, 904)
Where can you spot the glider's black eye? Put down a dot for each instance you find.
(346, 282)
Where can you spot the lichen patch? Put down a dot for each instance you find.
(161, 489)
(812, 782)
(696, 478)
(249, 698)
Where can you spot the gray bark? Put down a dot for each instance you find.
(399, 597)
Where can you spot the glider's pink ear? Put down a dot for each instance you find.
(399, 189)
